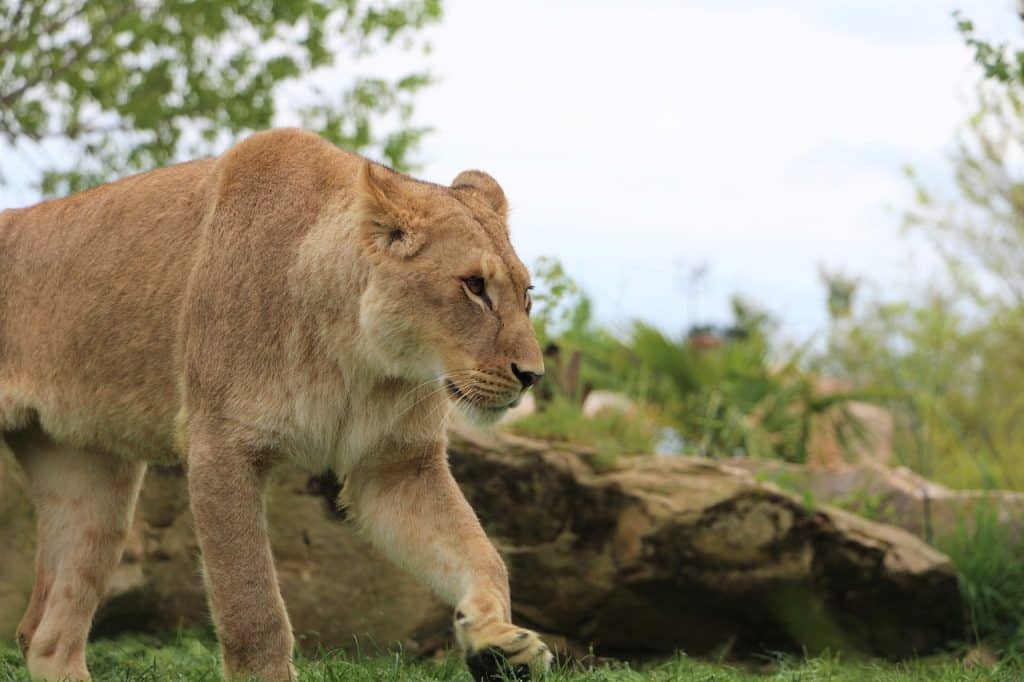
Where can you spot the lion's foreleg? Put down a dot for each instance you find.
(226, 491)
(414, 511)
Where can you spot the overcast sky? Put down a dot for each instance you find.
(639, 140)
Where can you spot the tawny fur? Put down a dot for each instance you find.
(287, 301)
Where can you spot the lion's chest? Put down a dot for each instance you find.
(340, 431)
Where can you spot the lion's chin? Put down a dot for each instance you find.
(481, 416)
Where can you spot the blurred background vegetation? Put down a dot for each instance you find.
(946, 359)
(712, 391)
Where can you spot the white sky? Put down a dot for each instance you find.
(638, 140)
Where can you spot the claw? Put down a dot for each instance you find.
(490, 665)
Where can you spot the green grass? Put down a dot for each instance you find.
(991, 566)
(610, 433)
(190, 658)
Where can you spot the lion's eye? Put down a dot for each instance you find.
(475, 285)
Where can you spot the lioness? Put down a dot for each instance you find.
(285, 301)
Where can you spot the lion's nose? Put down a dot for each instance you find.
(527, 379)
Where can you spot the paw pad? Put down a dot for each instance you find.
(490, 665)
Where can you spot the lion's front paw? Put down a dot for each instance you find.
(499, 651)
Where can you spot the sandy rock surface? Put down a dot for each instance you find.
(651, 555)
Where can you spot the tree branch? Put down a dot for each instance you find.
(57, 24)
(76, 56)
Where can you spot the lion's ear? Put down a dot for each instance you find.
(386, 223)
(484, 186)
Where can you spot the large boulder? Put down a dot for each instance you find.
(651, 554)
(639, 556)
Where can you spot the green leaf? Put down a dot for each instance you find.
(125, 78)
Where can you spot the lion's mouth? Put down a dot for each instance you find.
(454, 391)
(461, 397)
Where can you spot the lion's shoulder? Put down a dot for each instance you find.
(282, 156)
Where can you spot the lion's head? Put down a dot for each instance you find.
(447, 299)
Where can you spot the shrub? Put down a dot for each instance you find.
(991, 566)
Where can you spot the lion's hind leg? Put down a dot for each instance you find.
(84, 503)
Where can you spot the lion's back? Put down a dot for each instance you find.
(90, 287)
(103, 293)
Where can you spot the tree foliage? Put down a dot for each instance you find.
(117, 86)
(999, 61)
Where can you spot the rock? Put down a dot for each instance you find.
(872, 443)
(895, 496)
(598, 402)
(644, 557)
(831, 440)
(664, 553)
(339, 591)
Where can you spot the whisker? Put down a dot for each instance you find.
(437, 389)
(429, 395)
(474, 388)
(411, 392)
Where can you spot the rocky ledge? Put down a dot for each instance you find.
(638, 558)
